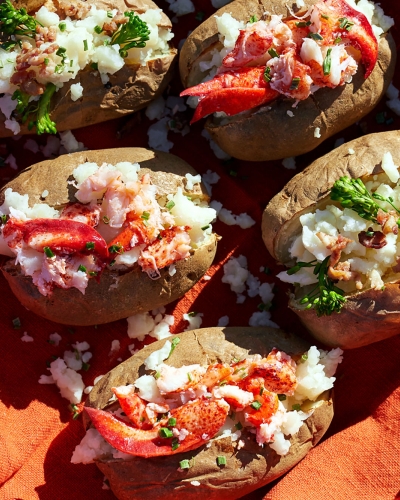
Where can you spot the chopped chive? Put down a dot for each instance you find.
(171, 422)
(327, 63)
(115, 249)
(85, 45)
(189, 377)
(315, 36)
(296, 407)
(48, 252)
(238, 426)
(174, 343)
(93, 273)
(295, 83)
(304, 358)
(46, 61)
(337, 40)
(344, 23)
(94, 66)
(175, 444)
(3, 218)
(170, 205)
(157, 375)
(221, 460)
(256, 405)
(233, 173)
(75, 415)
(192, 314)
(106, 219)
(303, 24)
(110, 14)
(85, 366)
(164, 432)
(16, 323)
(223, 382)
(282, 397)
(205, 227)
(71, 63)
(262, 389)
(272, 52)
(184, 464)
(90, 245)
(82, 268)
(112, 263)
(98, 29)
(61, 51)
(324, 16)
(253, 19)
(145, 215)
(267, 74)
(267, 270)
(62, 26)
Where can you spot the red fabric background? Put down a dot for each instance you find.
(359, 458)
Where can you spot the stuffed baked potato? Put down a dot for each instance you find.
(324, 217)
(232, 464)
(67, 75)
(94, 238)
(269, 74)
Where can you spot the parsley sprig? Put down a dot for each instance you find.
(134, 33)
(325, 298)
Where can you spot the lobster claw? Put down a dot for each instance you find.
(352, 26)
(200, 420)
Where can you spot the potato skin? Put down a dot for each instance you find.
(248, 468)
(270, 134)
(130, 89)
(135, 291)
(367, 316)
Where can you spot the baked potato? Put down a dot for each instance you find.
(172, 258)
(269, 115)
(363, 264)
(63, 62)
(221, 467)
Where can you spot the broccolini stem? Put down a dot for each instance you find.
(16, 22)
(134, 33)
(44, 124)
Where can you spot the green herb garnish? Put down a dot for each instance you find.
(267, 74)
(315, 36)
(48, 252)
(184, 464)
(171, 422)
(170, 205)
(221, 460)
(82, 268)
(90, 245)
(344, 23)
(295, 83)
(116, 249)
(175, 444)
(272, 52)
(327, 63)
(256, 405)
(16, 323)
(337, 40)
(296, 407)
(303, 24)
(239, 426)
(253, 19)
(16, 22)
(174, 343)
(304, 358)
(164, 432)
(98, 29)
(282, 397)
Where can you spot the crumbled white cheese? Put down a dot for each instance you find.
(317, 132)
(289, 163)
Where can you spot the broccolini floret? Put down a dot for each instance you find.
(134, 33)
(38, 111)
(325, 298)
(16, 22)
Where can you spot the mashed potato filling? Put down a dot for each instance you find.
(246, 385)
(369, 266)
(127, 221)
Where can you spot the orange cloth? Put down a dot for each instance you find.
(360, 457)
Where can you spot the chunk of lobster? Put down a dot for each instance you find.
(262, 409)
(60, 235)
(202, 419)
(133, 406)
(87, 214)
(278, 371)
(337, 20)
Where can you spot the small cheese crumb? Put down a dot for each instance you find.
(97, 379)
(26, 337)
(317, 132)
(115, 346)
(195, 483)
(223, 321)
(45, 193)
(289, 163)
(76, 91)
(351, 151)
(55, 338)
(290, 113)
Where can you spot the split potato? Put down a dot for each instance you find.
(368, 315)
(117, 294)
(268, 132)
(128, 90)
(247, 468)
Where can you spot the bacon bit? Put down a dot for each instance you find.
(396, 268)
(377, 240)
(111, 27)
(74, 8)
(388, 221)
(44, 35)
(339, 271)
